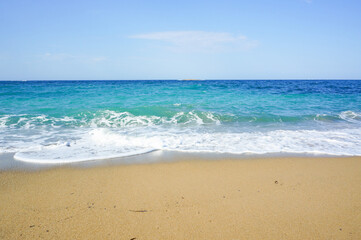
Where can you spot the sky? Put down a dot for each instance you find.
(138, 39)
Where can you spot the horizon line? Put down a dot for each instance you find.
(173, 79)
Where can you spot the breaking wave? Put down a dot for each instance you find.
(113, 119)
(111, 134)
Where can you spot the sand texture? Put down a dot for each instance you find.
(287, 198)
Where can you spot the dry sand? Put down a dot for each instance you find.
(287, 198)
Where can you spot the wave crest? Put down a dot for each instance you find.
(109, 119)
(350, 116)
(125, 119)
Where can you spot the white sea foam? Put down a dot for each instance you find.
(52, 157)
(3, 121)
(350, 116)
(123, 119)
(103, 143)
(93, 145)
(107, 118)
(110, 134)
(113, 119)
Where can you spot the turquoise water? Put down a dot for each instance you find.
(67, 121)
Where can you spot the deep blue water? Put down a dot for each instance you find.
(62, 121)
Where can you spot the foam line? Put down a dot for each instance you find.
(31, 157)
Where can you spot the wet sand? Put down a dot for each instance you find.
(278, 198)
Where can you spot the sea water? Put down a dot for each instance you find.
(70, 121)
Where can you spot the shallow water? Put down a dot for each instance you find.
(69, 121)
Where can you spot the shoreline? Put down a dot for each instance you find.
(272, 198)
(9, 163)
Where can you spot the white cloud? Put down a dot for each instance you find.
(308, 1)
(200, 40)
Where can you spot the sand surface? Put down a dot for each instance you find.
(288, 198)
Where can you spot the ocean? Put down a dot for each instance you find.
(72, 121)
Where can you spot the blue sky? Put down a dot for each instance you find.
(135, 39)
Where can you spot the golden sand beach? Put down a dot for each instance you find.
(278, 198)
